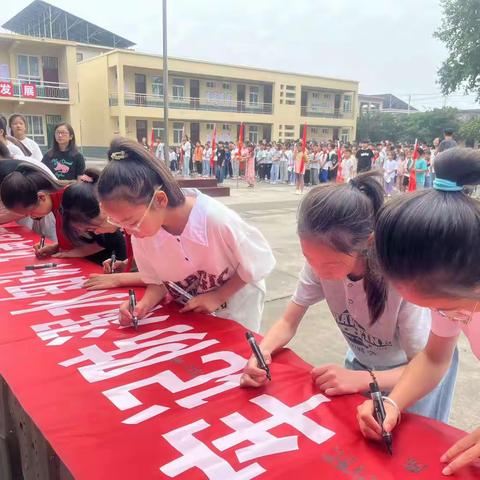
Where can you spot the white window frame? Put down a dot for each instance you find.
(29, 77)
(289, 102)
(325, 131)
(157, 85)
(226, 127)
(254, 95)
(210, 126)
(253, 134)
(80, 57)
(178, 132)
(347, 103)
(227, 86)
(289, 127)
(326, 96)
(315, 95)
(314, 130)
(345, 136)
(210, 84)
(36, 134)
(178, 89)
(159, 130)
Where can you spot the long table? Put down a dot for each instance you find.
(164, 401)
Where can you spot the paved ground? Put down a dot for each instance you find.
(272, 208)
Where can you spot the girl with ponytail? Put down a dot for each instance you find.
(428, 247)
(383, 331)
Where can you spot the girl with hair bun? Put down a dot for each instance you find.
(383, 331)
(428, 246)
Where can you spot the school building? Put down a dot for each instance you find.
(56, 66)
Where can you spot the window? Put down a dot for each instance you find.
(291, 87)
(226, 127)
(347, 103)
(28, 68)
(79, 57)
(253, 134)
(315, 95)
(289, 134)
(157, 85)
(253, 98)
(280, 127)
(289, 127)
(313, 130)
(227, 86)
(210, 126)
(281, 93)
(326, 95)
(290, 102)
(177, 132)
(281, 101)
(325, 131)
(344, 137)
(178, 89)
(290, 94)
(282, 86)
(210, 84)
(35, 129)
(158, 130)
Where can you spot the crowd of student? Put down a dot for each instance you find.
(290, 163)
(400, 300)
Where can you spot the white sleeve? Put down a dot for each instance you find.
(413, 325)
(247, 248)
(144, 265)
(309, 288)
(35, 149)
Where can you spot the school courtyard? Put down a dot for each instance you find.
(273, 209)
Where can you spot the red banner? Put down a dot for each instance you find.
(29, 90)
(164, 401)
(6, 89)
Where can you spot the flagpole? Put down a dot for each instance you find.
(166, 150)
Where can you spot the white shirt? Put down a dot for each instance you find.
(214, 245)
(15, 151)
(396, 337)
(187, 149)
(34, 148)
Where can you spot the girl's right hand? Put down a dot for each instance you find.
(120, 266)
(252, 375)
(101, 282)
(46, 251)
(125, 316)
(369, 425)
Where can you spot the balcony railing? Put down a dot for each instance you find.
(191, 103)
(335, 113)
(44, 90)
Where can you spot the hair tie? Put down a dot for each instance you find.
(86, 179)
(120, 155)
(446, 185)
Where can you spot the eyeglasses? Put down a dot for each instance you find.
(136, 226)
(62, 134)
(463, 316)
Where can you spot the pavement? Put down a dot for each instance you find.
(272, 209)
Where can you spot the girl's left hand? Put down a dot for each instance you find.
(204, 303)
(464, 452)
(65, 254)
(335, 380)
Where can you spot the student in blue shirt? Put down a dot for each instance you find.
(421, 169)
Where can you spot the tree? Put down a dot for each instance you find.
(470, 131)
(378, 126)
(460, 32)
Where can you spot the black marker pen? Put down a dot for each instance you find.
(113, 259)
(41, 265)
(380, 414)
(133, 304)
(42, 241)
(258, 354)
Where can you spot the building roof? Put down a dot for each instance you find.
(391, 102)
(40, 19)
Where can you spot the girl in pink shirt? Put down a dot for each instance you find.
(427, 244)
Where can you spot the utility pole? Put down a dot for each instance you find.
(166, 151)
(409, 102)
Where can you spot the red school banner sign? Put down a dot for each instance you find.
(164, 401)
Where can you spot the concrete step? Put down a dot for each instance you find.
(216, 191)
(197, 182)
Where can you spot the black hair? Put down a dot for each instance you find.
(420, 151)
(72, 144)
(342, 216)
(3, 126)
(430, 238)
(4, 152)
(133, 175)
(448, 132)
(21, 187)
(14, 117)
(80, 205)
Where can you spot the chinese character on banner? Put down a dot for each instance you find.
(29, 90)
(6, 89)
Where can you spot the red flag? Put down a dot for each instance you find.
(412, 184)
(240, 141)
(214, 146)
(304, 146)
(152, 141)
(340, 178)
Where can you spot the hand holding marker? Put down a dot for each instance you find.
(258, 354)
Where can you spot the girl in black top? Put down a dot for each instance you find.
(63, 159)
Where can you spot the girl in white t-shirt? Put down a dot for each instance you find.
(428, 245)
(18, 127)
(383, 331)
(184, 237)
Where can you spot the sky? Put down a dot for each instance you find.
(387, 45)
